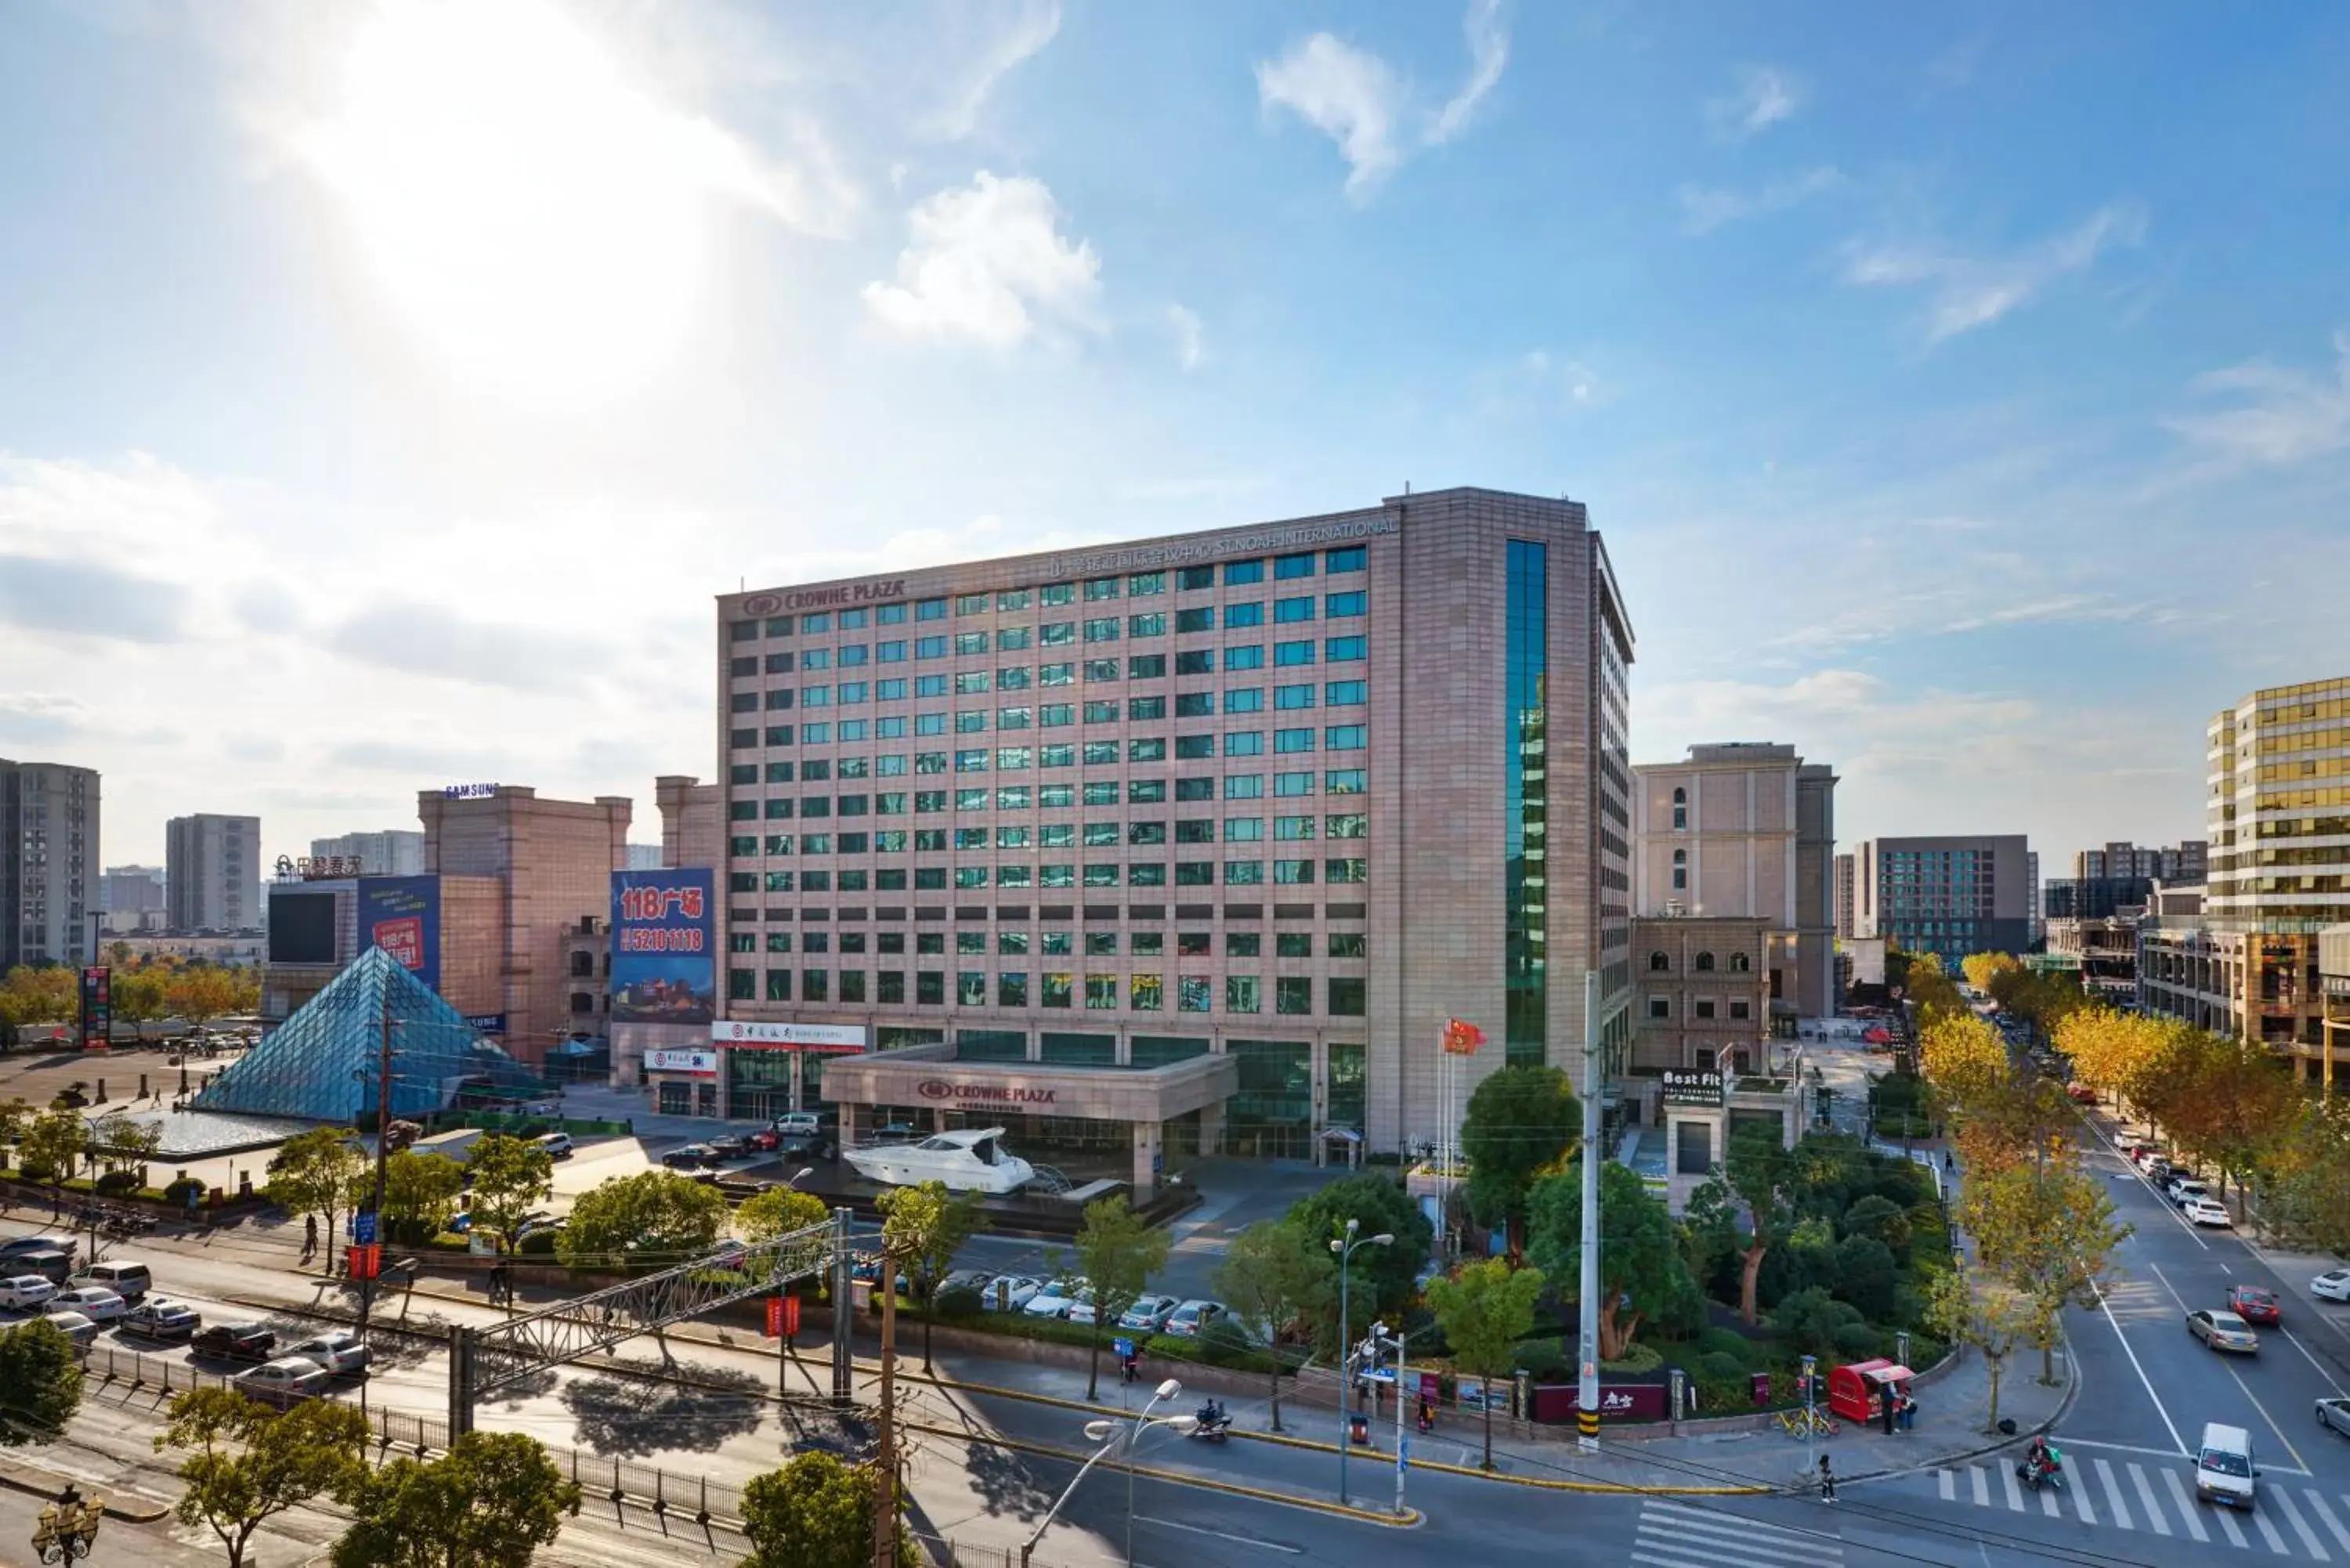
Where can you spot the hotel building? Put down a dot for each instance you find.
(1949, 896)
(1198, 840)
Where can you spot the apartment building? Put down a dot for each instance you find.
(2122, 860)
(1951, 896)
(49, 863)
(394, 852)
(1843, 895)
(212, 872)
(2277, 873)
(1288, 797)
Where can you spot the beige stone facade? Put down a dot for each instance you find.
(1294, 793)
(1703, 995)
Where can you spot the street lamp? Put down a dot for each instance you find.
(1381, 1333)
(68, 1528)
(1112, 1436)
(1346, 1247)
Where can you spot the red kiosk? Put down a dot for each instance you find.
(1858, 1392)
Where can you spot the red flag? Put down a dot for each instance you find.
(1461, 1039)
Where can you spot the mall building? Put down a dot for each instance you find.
(1186, 844)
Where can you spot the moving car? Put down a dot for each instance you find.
(557, 1145)
(728, 1145)
(970, 1160)
(74, 1325)
(2223, 1331)
(160, 1317)
(284, 1381)
(1149, 1314)
(2335, 1415)
(17, 1246)
(93, 1301)
(1055, 1300)
(2081, 1093)
(338, 1350)
(689, 1157)
(2204, 1212)
(23, 1292)
(2333, 1285)
(2255, 1303)
(1189, 1319)
(235, 1342)
(2223, 1466)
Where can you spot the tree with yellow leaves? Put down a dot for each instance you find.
(1981, 969)
(2047, 1229)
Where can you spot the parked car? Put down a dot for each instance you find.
(1012, 1292)
(1149, 1314)
(2255, 1303)
(728, 1145)
(2205, 1211)
(2335, 1414)
(801, 1124)
(17, 1246)
(2333, 1285)
(1054, 1300)
(160, 1317)
(54, 1265)
(765, 1140)
(2223, 1331)
(93, 1301)
(338, 1350)
(969, 1280)
(558, 1146)
(23, 1292)
(2081, 1093)
(76, 1326)
(2184, 1190)
(689, 1157)
(129, 1281)
(284, 1382)
(235, 1342)
(1189, 1319)
(1082, 1309)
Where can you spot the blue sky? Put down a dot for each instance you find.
(384, 390)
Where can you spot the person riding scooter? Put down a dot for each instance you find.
(2040, 1463)
(1210, 1422)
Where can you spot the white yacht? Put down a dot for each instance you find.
(972, 1161)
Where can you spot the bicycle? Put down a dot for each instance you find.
(1801, 1422)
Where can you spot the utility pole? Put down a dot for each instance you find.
(885, 1463)
(1586, 1412)
(374, 1241)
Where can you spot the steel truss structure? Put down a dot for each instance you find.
(484, 1360)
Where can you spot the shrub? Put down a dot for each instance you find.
(1865, 1275)
(1224, 1343)
(1718, 1366)
(1883, 1219)
(1857, 1342)
(537, 1244)
(1637, 1360)
(116, 1183)
(959, 1305)
(38, 1170)
(182, 1190)
(1542, 1359)
(1809, 1319)
(1725, 1342)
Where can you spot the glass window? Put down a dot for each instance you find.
(1346, 737)
(1102, 630)
(1337, 605)
(1349, 945)
(1293, 873)
(1244, 742)
(1353, 558)
(1244, 786)
(852, 691)
(1150, 751)
(1057, 594)
(1348, 999)
(1346, 825)
(1011, 599)
(1293, 827)
(1346, 693)
(1013, 759)
(1343, 781)
(1012, 677)
(815, 696)
(1251, 657)
(1151, 625)
(1345, 650)
(1202, 619)
(779, 734)
(1099, 588)
(1146, 667)
(1057, 988)
(1285, 567)
(1240, 872)
(1293, 783)
(1195, 789)
(1195, 874)
(1195, 705)
(930, 610)
(853, 655)
(1244, 699)
(777, 664)
(1292, 739)
(1245, 615)
(1349, 870)
(1293, 994)
(1292, 697)
(1192, 747)
(1010, 639)
(970, 680)
(1244, 828)
(1239, 573)
(1199, 661)
(1288, 612)
(1057, 674)
(1190, 577)
(1143, 584)
(1101, 670)
(1059, 634)
(816, 659)
(1241, 993)
(1012, 718)
(852, 620)
(972, 762)
(1193, 991)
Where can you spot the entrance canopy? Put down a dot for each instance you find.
(932, 1076)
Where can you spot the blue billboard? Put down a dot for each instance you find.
(401, 915)
(664, 947)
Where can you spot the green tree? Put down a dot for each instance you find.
(778, 1211)
(1642, 1274)
(1519, 1125)
(139, 995)
(419, 1193)
(312, 1173)
(816, 1512)
(1966, 1307)
(924, 1227)
(118, 1143)
(201, 992)
(1484, 1310)
(1117, 1253)
(492, 1501)
(246, 1463)
(48, 994)
(653, 1220)
(1384, 1209)
(2048, 1233)
(1757, 1185)
(512, 1176)
(55, 1142)
(41, 1371)
(1272, 1275)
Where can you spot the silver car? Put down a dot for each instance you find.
(2223, 1331)
(284, 1381)
(74, 1325)
(23, 1292)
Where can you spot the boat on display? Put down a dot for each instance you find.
(970, 1160)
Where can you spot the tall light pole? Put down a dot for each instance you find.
(1111, 1435)
(1345, 1247)
(1379, 1334)
(1170, 1389)
(1586, 1400)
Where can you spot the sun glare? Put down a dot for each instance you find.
(541, 220)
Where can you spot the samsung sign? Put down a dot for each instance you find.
(789, 1036)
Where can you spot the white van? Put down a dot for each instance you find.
(2223, 1466)
(128, 1281)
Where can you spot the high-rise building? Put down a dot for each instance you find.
(49, 863)
(212, 872)
(1844, 926)
(1249, 814)
(394, 852)
(2035, 927)
(1951, 896)
(129, 891)
(2124, 861)
(644, 858)
(2277, 872)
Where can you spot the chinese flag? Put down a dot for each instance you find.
(1461, 1038)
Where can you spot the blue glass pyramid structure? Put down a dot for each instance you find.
(324, 1061)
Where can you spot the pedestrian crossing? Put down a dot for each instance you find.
(2158, 1498)
(1683, 1535)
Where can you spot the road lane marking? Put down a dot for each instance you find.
(1256, 1541)
(1746, 1527)
(2292, 1517)
(1674, 1539)
(1655, 1562)
(2276, 1542)
(1950, 1485)
(2106, 1307)
(2015, 1492)
(1981, 1483)
(2048, 1501)
(2325, 1516)
(2070, 1442)
(2146, 1496)
(2114, 1494)
(2141, 1176)
(2240, 1383)
(2305, 1355)
(2227, 1518)
(2188, 1509)
(2081, 1498)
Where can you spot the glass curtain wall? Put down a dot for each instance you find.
(1526, 676)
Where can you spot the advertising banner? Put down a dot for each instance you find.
(97, 1008)
(401, 915)
(1617, 1402)
(1688, 1086)
(664, 947)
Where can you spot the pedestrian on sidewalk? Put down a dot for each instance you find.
(1827, 1481)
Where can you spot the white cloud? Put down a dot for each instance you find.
(1968, 292)
(1349, 94)
(988, 263)
(1189, 346)
(1705, 208)
(1765, 95)
(1035, 25)
(2282, 417)
(1489, 53)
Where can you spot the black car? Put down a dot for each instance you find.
(729, 1146)
(235, 1342)
(809, 1145)
(690, 1156)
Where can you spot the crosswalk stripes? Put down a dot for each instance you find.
(1677, 1535)
(2299, 1522)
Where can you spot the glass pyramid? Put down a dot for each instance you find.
(323, 1063)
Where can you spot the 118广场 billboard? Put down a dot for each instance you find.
(664, 947)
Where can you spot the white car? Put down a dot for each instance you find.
(1055, 1300)
(74, 1326)
(1194, 1315)
(2333, 1285)
(1012, 1292)
(284, 1381)
(23, 1292)
(2204, 1212)
(95, 1303)
(557, 1145)
(1082, 1309)
(338, 1350)
(2185, 1190)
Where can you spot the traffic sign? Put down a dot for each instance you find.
(363, 1227)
